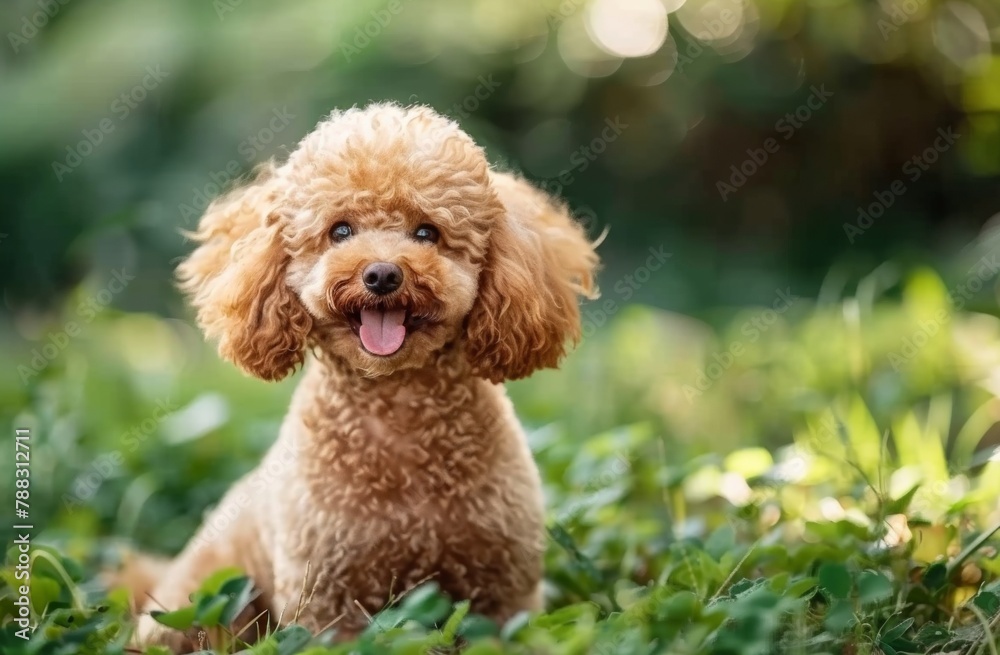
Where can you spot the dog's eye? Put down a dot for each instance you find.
(341, 232)
(427, 233)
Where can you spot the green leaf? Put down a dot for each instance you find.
(720, 541)
(43, 591)
(835, 579)
(694, 569)
(778, 583)
(977, 543)
(477, 626)
(584, 563)
(292, 639)
(864, 437)
(209, 610)
(181, 619)
(931, 634)
(743, 586)
(483, 648)
(987, 601)
(681, 605)
(839, 617)
(802, 587)
(213, 584)
(873, 587)
(451, 626)
(157, 650)
(514, 625)
(749, 462)
(68, 618)
(902, 504)
(935, 576)
(898, 630)
(239, 592)
(426, 605)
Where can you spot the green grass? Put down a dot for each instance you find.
(831, 490)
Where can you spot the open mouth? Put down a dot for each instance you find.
(383, 331)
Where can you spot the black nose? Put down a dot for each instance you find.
(382, 277)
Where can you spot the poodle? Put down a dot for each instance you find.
(419, 280)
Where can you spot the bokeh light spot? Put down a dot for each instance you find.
(627, 28)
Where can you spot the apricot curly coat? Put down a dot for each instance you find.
(388, 469)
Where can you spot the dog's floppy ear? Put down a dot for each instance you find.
(526, 308)
(236, 282)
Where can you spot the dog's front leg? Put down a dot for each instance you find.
(230, 537)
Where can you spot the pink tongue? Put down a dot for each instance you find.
(382, 333)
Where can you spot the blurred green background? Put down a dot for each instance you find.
(192, 91)
(817, 177)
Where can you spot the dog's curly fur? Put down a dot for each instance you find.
(388, 470)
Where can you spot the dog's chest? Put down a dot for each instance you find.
(390, 503)
(371, 559)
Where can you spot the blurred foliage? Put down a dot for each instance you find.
(834, 486)
(237, 81)
(788, 446)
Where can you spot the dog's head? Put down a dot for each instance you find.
(381, 241)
